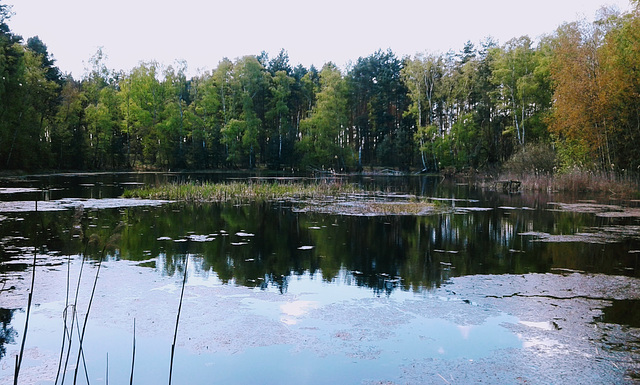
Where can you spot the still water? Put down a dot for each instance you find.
(494, 289)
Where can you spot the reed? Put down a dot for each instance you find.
(133, 355)
(74, 315)
(29, 302)
(86, 317)
(241, 191)
(175, 333)
(66, 332)
(20, 356)
(578, 181)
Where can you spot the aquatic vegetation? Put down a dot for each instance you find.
(74, 203)
(577, 180)
(331, 198)
(600, 210)
(598, 235)
(371, 207)
(240, 191)
(486, 287)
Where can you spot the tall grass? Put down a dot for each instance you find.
(240, 191)
(539, 167)
(579, 181)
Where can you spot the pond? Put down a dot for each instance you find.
(494, 288)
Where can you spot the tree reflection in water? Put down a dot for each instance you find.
(7, 333)
(262, 245)
(280, 282)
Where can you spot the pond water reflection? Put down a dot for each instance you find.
(317, 264)
(245, 244)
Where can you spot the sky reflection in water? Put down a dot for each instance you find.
(336, 352)
(365, 297)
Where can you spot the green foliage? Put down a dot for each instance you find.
(574, 154)
(27, 100)
(68, 134)
(475, 108)
(279, 126)
(471, 109)
(322, 143)
(378, 99)
(233, 137)
(534, 158)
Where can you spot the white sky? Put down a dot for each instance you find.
(203, 32)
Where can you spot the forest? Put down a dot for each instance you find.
(571, 98)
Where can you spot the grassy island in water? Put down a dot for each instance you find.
(333, 197)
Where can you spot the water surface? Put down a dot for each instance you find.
(280, 296)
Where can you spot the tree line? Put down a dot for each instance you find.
(576, 91)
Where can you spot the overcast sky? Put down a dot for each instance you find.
(203, 32)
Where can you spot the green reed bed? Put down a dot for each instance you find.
(322, 197)
(241, 191)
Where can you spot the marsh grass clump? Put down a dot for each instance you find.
(538, 167)
(578, 181)
(331, 197)
(241, 191)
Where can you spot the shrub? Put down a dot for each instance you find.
(534, 158)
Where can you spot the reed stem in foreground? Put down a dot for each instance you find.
(29, 301)
(175, 333)
(133, 355)
(26, 322)
(86, 316)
